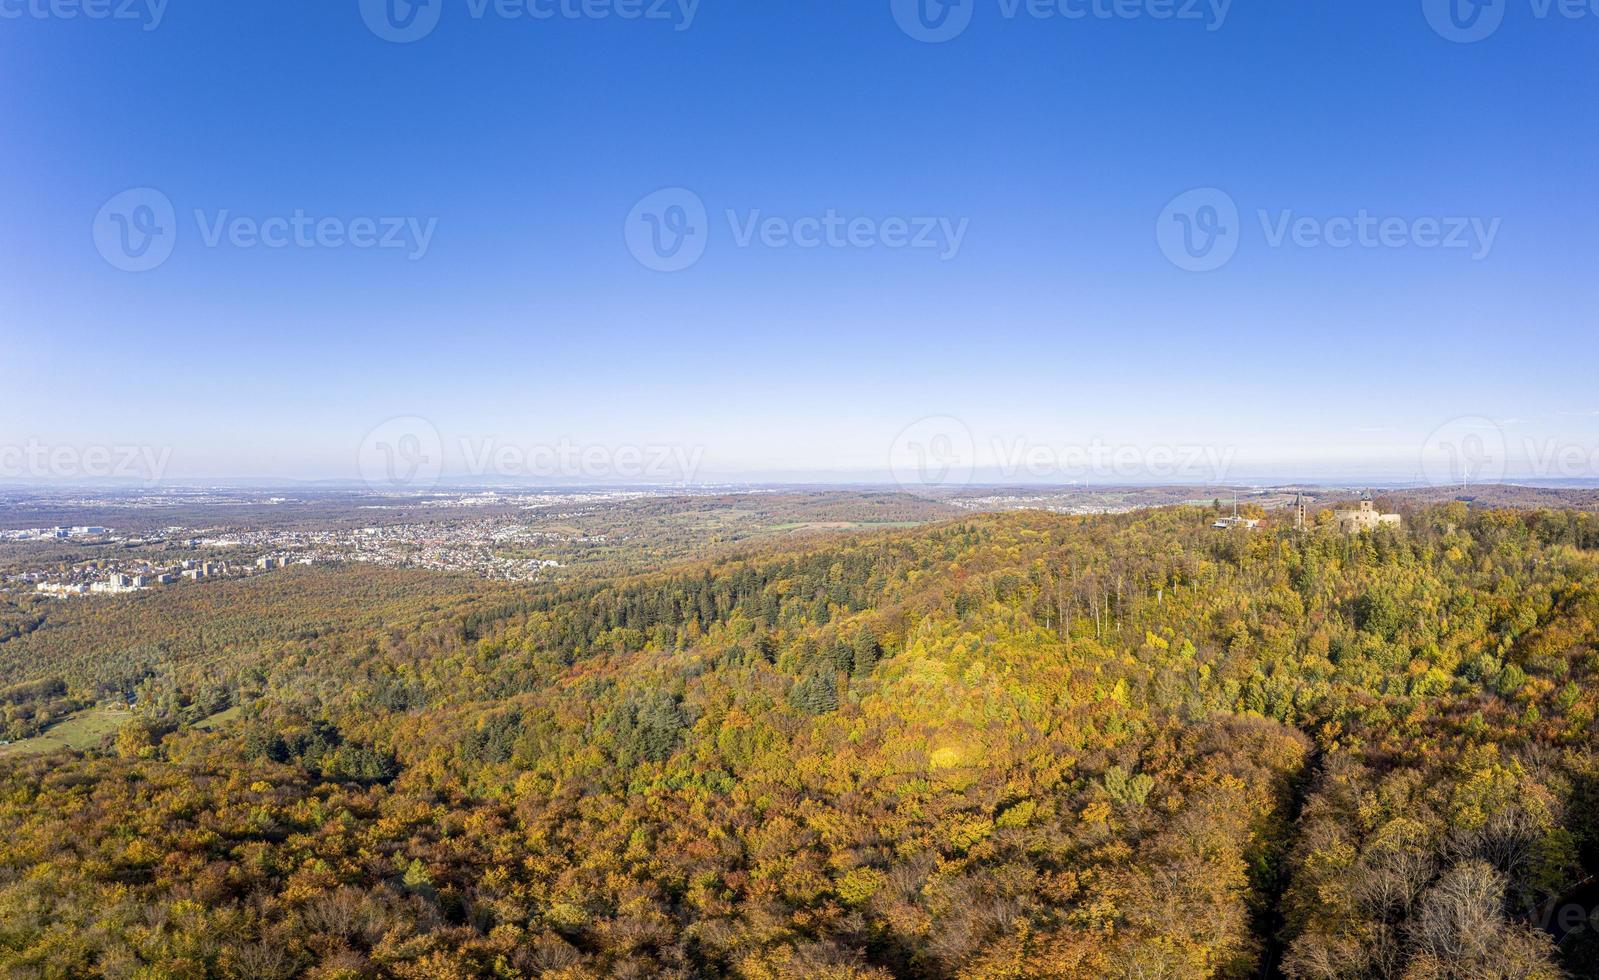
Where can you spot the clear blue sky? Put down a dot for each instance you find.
(1057, 142)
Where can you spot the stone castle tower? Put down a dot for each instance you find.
(1365, 517)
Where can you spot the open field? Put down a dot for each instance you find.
(219, 719)
(77, 732)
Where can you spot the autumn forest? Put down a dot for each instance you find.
(996, 746)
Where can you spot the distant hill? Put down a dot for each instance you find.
(1505, 495)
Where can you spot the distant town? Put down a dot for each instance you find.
(475, 547)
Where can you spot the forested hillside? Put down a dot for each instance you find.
(1017, 745)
